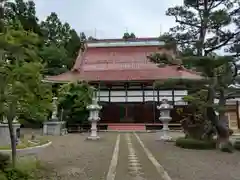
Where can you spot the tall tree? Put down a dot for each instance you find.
(21, 91)
(23, 11)
(61, 45)
(55, 31)
(205, 25)
(127, 36)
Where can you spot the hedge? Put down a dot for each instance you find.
(236, 145)
(190, 143)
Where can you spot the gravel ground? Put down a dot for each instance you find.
(72, 157)
(183, 164)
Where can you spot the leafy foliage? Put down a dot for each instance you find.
(58, 44)
(203, 25)
(74, 98)
(127, 36)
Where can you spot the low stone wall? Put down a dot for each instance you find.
(29, 150)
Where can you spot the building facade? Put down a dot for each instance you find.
(124, 77)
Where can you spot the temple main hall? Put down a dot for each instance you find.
(124, 77)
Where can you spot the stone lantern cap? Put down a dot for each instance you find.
(165, 105)
(94, 105)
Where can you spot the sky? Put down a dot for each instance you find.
(111, 18)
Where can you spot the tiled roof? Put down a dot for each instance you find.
(121, 64)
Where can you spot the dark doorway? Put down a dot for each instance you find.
(128, 112)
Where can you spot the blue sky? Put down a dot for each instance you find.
(111, 18)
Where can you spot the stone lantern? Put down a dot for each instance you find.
(165, 118)
(94, 109)
(54, 126)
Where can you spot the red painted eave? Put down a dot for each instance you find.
(163, 73)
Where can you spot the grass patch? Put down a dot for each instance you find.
(27, 168)
(26, 143)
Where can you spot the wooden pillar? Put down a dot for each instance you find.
(238, 114)
(154, 106)
(99, 86)
(109, 93)
(173, 98)
(126, 99)
(143, 93)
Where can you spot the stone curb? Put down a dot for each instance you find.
(143, 131)
(29, 150)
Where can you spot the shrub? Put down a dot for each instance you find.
(190, 143)
(25, 168)
(16, 174)
(2, 176)
(236, 145)
(4, 161)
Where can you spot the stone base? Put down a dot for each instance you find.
(163, 137)
(93, 138)
(5, 135)
(166, 138)
(54, 128)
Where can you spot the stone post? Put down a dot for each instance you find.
(55, 109)
(54, 126)
(94, 109)
(165, 118)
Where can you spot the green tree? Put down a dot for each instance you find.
(74, 98)
(61, 45)
(55, 58)
(203, 25)
(54, 31)
(22, 90)
(127, 36)
(23, 11)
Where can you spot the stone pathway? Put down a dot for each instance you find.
(134, 163)
(131, 156)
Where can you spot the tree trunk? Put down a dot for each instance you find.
(13, 141)
(10, 118)
(223, 133)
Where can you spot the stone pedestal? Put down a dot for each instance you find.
(54, 128)
(5, 135)
(165, 118)
(94, 109)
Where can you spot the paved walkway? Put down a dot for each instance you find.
(131, 156)
(136, 162)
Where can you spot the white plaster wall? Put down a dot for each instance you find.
(150, 95)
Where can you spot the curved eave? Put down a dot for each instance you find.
(54, 82)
